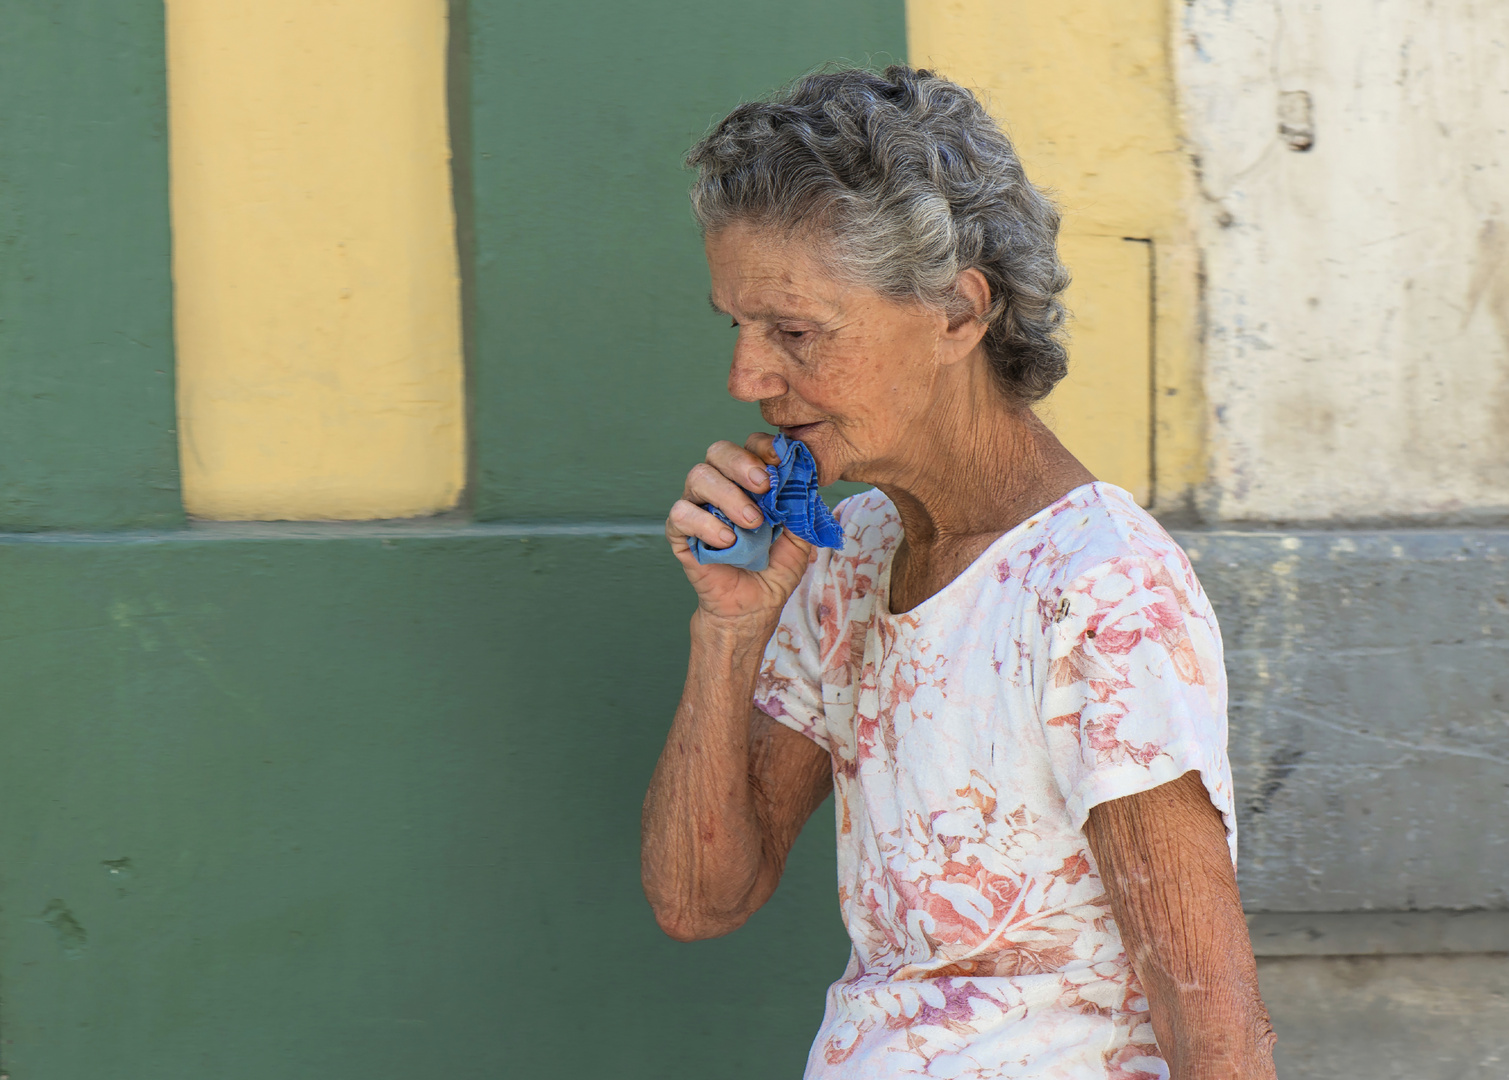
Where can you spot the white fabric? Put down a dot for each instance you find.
(1076, 661)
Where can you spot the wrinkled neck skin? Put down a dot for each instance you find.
(972, 465)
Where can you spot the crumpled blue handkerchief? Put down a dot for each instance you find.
(792, 502)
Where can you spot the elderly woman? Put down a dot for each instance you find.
(1007, 674)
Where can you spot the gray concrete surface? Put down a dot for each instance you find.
(1389, 1017)
(1369, 714)
(1377, 933)
(1369, 673)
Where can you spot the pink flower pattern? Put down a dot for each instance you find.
(1076, 661)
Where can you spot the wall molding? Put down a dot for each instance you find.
(1377, 933)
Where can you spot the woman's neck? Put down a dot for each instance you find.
(976, 470)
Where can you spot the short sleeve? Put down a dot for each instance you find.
(789, 688)
(1135, 694)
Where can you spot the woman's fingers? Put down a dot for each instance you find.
(687, 519)
(738, 464)
(706, 485)
(762, 445)
(725, 481)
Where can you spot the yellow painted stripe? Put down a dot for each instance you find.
(1102, 410)
(315, 268)
(1086, 90)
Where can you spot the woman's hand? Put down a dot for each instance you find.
(725, 480)
(732, 787)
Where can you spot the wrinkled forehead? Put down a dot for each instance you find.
(764, 273)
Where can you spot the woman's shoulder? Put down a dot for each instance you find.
(1093, 529)
(871, 525)
(846, 577)
(840, 584)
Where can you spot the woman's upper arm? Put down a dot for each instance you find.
(1134, 693)
(790, 776)
(1163, 856)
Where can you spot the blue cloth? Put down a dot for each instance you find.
(792, 502)
(750, 549)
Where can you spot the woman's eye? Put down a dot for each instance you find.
(794, 335)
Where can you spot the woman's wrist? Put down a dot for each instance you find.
(1221, 1040)
(735, 637)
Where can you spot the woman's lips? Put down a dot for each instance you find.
(796, 431)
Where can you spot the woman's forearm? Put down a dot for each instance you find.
(1168, 874)
(702, 858)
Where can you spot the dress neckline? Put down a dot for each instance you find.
(1037, 519)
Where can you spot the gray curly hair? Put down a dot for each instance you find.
(906, 181)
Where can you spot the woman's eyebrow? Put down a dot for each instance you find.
(764, 313)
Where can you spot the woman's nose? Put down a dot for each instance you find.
(754, 374)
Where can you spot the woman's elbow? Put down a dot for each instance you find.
(686, 920)
(688, 926)
(687, 911)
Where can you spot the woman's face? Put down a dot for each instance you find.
(854, 375)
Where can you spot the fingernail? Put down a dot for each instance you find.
(754, 517)
(757, 476)
(727, 537)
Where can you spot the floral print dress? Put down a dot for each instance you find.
(1075, 661)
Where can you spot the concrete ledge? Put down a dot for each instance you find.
(1369, 709)
(1378, 933)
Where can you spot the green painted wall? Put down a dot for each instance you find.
(361, 807)
(344, 803)
(86, 333)
(598, 370)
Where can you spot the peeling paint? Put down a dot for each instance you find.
(1357, 293)
(72, 937)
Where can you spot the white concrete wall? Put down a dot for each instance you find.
(1356, 294)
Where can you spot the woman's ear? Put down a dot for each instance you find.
(966, 329)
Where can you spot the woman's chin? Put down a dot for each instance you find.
(829, 468)
(811, 436)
